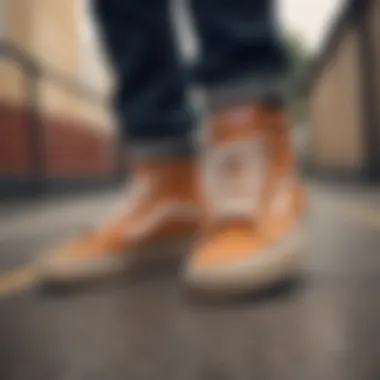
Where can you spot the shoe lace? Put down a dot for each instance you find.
(233, 178)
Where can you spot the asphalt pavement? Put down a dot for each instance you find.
(145, 326)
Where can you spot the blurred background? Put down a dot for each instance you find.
(57, 129)
(61, 170)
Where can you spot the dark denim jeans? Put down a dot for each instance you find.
(240, 55)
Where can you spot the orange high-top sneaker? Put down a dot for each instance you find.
(160, 214)
(253, 202)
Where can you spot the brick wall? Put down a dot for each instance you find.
(79, 133)
(76, 133)
(14, 141)
(14, 147)
(76, 150)
(69, 149)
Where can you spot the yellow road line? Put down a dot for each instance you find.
(17, 280)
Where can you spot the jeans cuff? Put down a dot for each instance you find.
(248, 90)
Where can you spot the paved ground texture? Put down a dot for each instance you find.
(326, 326)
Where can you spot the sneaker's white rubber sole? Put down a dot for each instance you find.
(66, 269)
(276, 263)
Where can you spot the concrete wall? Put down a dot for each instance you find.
(335, 110)
(373, 17)
(58, 36)
(51, 31)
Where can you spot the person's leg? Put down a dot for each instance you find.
(242, 57)
(150, 94)
(252, 197)
(150, 101)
